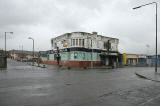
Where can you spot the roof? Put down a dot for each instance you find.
(83, 33)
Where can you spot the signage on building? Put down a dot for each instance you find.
(142, 56)
(114, 54)
(65, 45)
(75, 55)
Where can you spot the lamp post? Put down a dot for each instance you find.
(22, 55)
(33, 49)
(156, 29)
(92, 53)
(5, 48)
(5, 41)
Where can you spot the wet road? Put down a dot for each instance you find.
(24, 85)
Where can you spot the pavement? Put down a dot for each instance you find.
(26, 85)
(149, 74)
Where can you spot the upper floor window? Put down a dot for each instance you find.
(73, 42)
(80, 42)
(77, 42)
(52, 42)
(91, 43)
(55, 45)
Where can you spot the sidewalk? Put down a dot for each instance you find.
(149, 74)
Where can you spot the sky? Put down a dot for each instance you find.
(46, 19)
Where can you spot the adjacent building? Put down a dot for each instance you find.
(136, 59)
(82, 49)
(130, 59)
(21, 55)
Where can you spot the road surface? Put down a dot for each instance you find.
(25, 85)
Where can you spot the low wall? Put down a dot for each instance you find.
(75, 63)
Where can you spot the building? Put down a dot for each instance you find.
(152, 60)
(142, 60)
(21, 55)
(135, 59)
(130, 59)
(47, 57)
(81, 49)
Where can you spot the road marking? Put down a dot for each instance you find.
(150, 100)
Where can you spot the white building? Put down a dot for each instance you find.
(81, 49)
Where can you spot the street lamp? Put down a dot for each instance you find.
(33, 49)
(5, 48)
(22, 55)
(156, 28)
(5, 40)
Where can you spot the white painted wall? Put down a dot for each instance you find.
(97, 41)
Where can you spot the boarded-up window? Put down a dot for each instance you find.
(80, 42)
(73, 42)
(91, 43)
(55, 45)
(52, 42)
(76, 42)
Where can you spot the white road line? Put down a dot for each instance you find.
(150, 100)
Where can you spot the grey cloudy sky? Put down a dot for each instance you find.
(45, 19)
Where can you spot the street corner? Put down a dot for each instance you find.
(149, 75)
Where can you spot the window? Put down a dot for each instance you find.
(83, 56)
(97, 44)
(55, 45)
(73, 42)
(91, 43)
(76, 42)
(47, 57)
(80, 42)
(52, 42)
(105, 45)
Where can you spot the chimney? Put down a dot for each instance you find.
(94, 34)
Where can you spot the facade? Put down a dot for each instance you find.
(130, 59)
(152, 60)
(136, 59)
(142, 60)
(81, 49)
(20, 55)
(47, 57)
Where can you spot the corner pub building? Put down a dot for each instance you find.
(81, 49)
